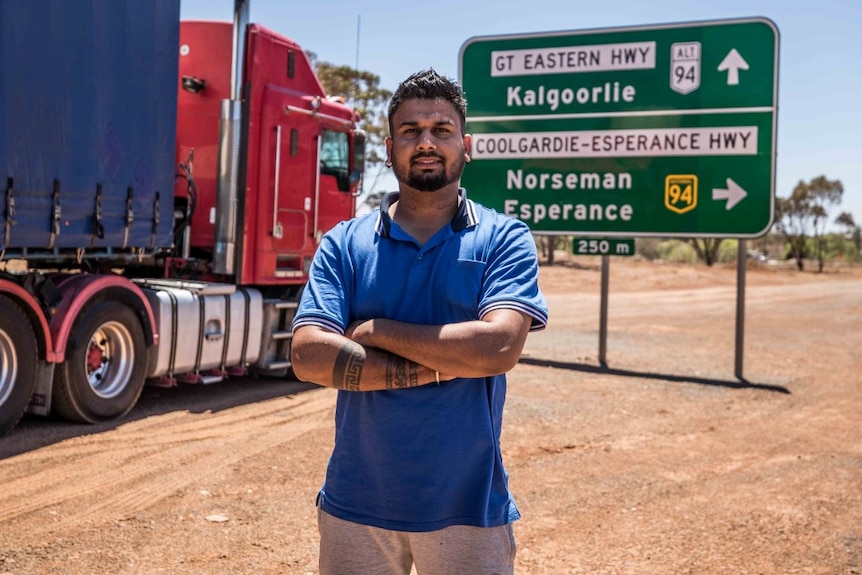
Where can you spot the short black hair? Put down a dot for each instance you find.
(429, 85)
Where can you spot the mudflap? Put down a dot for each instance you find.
(40, 402)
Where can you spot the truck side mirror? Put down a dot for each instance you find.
(359, 138)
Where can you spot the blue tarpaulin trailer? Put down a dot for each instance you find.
(87, 149)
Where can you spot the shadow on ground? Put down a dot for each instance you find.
(598, 369)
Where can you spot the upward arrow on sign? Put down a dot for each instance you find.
(732, 64)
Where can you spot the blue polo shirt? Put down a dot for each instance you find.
(423, 458)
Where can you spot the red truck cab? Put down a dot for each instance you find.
(298, 170)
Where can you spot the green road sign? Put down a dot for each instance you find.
(648, 131)
(603, 247)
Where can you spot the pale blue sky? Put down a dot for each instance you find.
(820, 72)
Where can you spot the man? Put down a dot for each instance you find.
(414, 313)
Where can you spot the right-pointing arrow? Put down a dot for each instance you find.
(733, 194)
(733, 63)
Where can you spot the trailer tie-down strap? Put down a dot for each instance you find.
(201, 331)
(175, 329)
(226, 339)
(156, 219)
(130, 215)
(98, 226)
(56, 215)
(247, 325)
(10, 213)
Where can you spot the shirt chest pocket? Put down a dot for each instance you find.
(463, 287)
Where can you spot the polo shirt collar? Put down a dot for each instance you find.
(464, 218)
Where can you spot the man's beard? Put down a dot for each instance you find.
(430, 181)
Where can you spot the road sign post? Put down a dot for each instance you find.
(647, 131)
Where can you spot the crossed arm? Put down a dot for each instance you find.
(380, 354)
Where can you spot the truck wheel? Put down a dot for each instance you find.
(105, 366)
(18, 357)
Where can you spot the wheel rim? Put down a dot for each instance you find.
(109, 359)
(8, 366)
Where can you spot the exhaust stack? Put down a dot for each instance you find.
(230, 132)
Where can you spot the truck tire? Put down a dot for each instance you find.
(18, 357)
(105, 366)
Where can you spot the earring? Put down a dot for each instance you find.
(388, 163)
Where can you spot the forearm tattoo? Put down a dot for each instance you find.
(401, 373)
(347, 371)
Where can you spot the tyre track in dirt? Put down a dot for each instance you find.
(628, 304)
(135, 466)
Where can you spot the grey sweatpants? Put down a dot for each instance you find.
(348, 548)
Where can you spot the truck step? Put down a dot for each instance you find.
(281, 304)
(277, 335)
(201, 378)
(274, 365)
